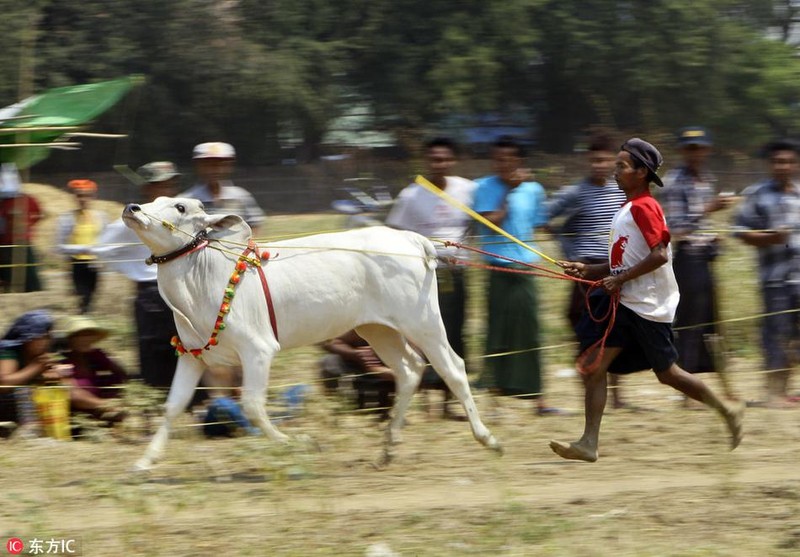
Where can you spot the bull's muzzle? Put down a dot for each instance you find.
(131, 208)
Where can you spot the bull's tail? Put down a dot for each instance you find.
(431, 257)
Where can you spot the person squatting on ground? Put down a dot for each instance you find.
(511, 200)
(77, 232)
(639, 272)
(349, 354)
(769, 220)
(421, 211)
(688, 197)
(587, 209)
(94, 372)
(27, 360)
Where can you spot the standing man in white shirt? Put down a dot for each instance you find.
(122, 250)
(421, 211)
(213, 165)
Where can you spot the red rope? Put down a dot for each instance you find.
(588, 368)
(548, 273)
(584, 368)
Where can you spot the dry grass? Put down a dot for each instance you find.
(665, 485)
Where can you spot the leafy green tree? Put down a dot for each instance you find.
(266, 73)
(651, 66)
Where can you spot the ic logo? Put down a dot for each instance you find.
(15, 546)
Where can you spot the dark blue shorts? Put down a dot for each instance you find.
(645, 344)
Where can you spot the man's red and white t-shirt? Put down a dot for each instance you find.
(637, 228)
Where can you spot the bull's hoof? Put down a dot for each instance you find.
(496, 446)
(394, 437)
(280, 438)
(490, 442)
(143, 466)
(306, 443)
(385, 460)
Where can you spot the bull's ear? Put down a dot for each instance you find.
(228, 227)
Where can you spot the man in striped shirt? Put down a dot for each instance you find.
(586, 210)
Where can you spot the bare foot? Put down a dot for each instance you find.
(734, 418)
(573, 451)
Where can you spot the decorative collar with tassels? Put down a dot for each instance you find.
(198, 242)
(230, 290)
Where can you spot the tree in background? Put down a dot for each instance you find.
(265, 74)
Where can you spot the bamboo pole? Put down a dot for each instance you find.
(27, 62)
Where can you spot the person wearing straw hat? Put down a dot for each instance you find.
(634, 334)
(122, 250)
(97, 376)
(77, 231)
(213, 163)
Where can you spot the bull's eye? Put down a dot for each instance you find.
(180, 207)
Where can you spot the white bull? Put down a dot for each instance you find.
(378, 281)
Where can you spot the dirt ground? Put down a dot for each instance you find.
(665, 484)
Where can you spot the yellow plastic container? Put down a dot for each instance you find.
(52, 404)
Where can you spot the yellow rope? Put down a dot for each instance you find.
(450, 200)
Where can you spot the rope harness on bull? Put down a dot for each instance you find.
(202, 241)
(227, 299)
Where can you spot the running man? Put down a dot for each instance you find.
(639, 271)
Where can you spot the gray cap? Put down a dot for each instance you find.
(158, 171)
(647, 154)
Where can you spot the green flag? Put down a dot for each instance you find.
(66, 109)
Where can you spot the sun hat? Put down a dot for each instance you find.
(79, 324)
(214, 150)
(647, 154)
(160, 171)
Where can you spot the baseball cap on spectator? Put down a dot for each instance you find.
(82, 186)
(214, 150)
(158, 171)
(646, 154)
(694, 135)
